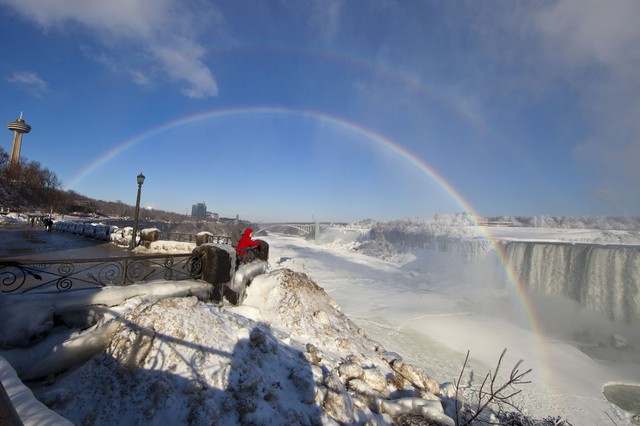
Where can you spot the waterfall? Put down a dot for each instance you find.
(602, 278)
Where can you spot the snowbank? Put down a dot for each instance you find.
(287, 356)
(13, 218)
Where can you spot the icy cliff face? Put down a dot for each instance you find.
(605, 279)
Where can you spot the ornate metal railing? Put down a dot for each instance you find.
(219, 239)
(191, 238)
(178, 236)
(247, 254)
(62, 275)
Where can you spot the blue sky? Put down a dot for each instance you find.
(338, 110)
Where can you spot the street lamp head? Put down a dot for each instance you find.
(140, 179)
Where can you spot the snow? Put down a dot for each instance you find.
(565, 235)
(13, 218)
(29, 408)
(306, 354)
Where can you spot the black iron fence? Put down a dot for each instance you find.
(247, 255)
(192, 238)
(62, 275)
(178, 236)
(218, 239)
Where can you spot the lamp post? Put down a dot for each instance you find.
(132, 245)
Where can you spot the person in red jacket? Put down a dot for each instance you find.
(245, 243)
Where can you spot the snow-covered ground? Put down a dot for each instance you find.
(197, 361)
(565, 235)
(434, 311)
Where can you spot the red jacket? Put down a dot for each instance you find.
(246, 241)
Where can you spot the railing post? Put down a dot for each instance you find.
(125, 267)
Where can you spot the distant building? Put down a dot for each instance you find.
(18, 127)
(199, 210)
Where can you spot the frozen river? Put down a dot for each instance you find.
(432, 314)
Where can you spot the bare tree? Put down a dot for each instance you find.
(491, 391)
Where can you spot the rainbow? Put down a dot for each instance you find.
(356, 130)
(353, 60)
(336, 122)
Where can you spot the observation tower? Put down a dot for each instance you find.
(18, 127)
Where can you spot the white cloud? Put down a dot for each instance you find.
(184, 63)
(592, 31)
(582, 54)
(595, 44)
(30, 81)
(326, 15)
(140, 78)
(122, 25)
(320, 19)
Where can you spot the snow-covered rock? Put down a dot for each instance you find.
(268, 361)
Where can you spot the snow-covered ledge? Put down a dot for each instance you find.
(89, 314)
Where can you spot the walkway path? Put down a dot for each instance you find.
(26, 242)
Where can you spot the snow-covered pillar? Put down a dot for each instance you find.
(218, 266)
